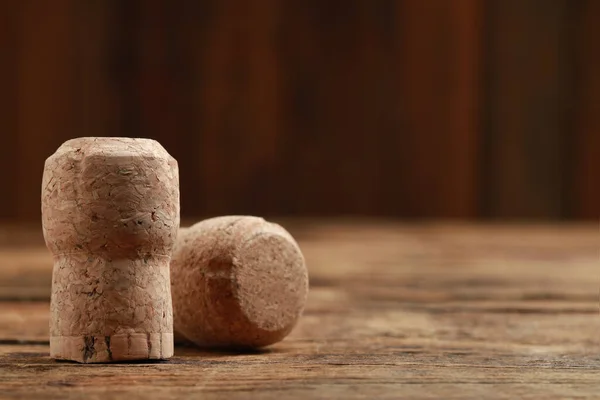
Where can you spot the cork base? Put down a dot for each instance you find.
(119, 347)
(269, 277)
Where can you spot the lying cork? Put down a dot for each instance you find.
(237, 282)
(110, 214)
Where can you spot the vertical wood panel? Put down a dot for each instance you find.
(157, 118)
(334, 105)
(467, 20)
(219, 125)
(124, 65)
(585, 189)
(99, 107)
(353, 100)
(439, 78)
(45, 94)
(187, 25)
(526, 108)
(237, 106)
(317, 108)
(301, 86)
(257, 105)
(375, 102)
(9, 12)
(347, 85)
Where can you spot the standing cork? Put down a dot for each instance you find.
(237, 282)
(110, 214)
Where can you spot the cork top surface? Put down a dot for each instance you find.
(112, 146)
(115, 196)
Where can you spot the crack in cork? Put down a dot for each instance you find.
(149, 344)
(108, 350)
(88, 351)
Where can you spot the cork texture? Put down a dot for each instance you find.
(237, 281)
(110, 215)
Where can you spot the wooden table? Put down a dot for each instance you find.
(412, 311)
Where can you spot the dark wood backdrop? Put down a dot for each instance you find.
(407, 108)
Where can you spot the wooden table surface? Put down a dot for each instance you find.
(394, 311)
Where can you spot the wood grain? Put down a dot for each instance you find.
(46, 95)
(453, 311)
(354, 251)
(527, 63)
(384, 108)
(585, 190)
(154, 83)
(9, 48)
(99, 107)
(239, 100)
(438, 71)
(271, 108)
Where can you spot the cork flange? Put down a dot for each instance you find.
(110, 214)
(119, 347)
(237, 282)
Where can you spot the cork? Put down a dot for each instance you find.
(237, 282)
(110, 216)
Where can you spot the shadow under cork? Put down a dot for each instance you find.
(184, 354)
(191, 350)
(120, 362)
(188, 354)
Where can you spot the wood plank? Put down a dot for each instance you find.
(353, 314)
(527, 68)
(225, 74)
(435, 146)
(9, 15)
(99, 106)
(499, 311)
(237, 95)
(158, 116)
(586, 144)
(187, 23)
(460, 260)
(26, 274)
(334, 58)
(322, 370)
(343, 342)
(24, 322)
(340, 346)
(124, 64)
(292, 106)
(46, 94)
(302, 85)
(360, 82)
(317, 90)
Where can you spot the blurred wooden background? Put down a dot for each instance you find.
(407, 108)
